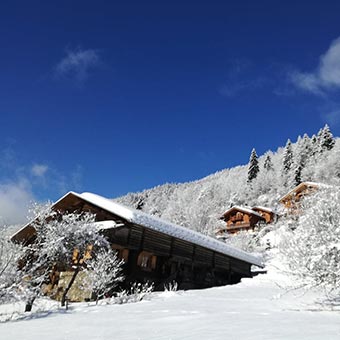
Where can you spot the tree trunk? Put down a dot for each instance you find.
(29, 305)
(63, 298)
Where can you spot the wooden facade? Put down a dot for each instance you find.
(157, 255)
(238, 219)
(268, 214)
(292, 199)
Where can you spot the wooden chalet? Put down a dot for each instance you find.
(292, 199)
(268, 214)
(158, 251)
(238, 219)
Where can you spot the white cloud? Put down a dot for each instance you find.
(242, 77)
(63, 183)
(22, 184)
(233, 88)
(18, 193)
(333, 117)
(39, 170)
(77, 64)
(326, 76)
(15, 199)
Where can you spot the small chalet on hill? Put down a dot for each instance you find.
(292, 199)
(239, 218)
(158, 251)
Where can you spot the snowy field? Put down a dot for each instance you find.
(254, 309)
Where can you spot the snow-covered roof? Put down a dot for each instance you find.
(243, 209)
(157, 224)
(264, 209)
(104, 225)
(301, 185)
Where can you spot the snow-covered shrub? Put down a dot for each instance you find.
(250, 241)
(311, 251)
(171, 287)
(104, 272)
(137, 292)
(10, 255)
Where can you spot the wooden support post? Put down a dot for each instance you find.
(129, 235)
(193, 257)
(171, 246)
(142, 240)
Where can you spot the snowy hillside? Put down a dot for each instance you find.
(199, 204)
(254, 309)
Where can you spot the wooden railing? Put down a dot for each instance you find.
(238, 225)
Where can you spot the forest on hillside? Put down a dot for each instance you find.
(199, 204)
(306, 246)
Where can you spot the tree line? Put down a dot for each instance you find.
(294, 162)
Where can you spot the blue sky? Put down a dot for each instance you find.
(118, 96)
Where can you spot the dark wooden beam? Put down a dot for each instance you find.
(171, 246)
(142, 239)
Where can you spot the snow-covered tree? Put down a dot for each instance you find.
(179, 203)
(304, 150)
(297, 174)
(287, 167)
(61, 239)
(287, 160)
(302, 156)
(10, 254)
(253, 167)
(268, 164)
(314, 145)
(325, 139)
(312, 250)
(104, 272)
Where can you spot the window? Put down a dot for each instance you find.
(147, 261)
(78, 258)
(122, 253)
(239, 216)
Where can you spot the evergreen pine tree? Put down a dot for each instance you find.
(314, 145)
(268, 164)
(319, 141)
(326, 140)
(253, 168)
(302, 153)
(306, 147)
(287, 161)
(297, 174)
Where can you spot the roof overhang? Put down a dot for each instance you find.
(299, 188)
(241, 209)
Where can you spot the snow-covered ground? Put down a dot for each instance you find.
(254, 309)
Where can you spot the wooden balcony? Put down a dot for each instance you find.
(234, 228)
(238, 227)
